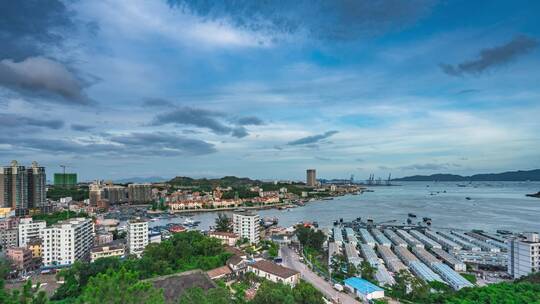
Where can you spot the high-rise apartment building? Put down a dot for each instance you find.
(95, 193)
(139, 193)
(14, 187)
(524, 255)
(22, 188)
(67, 241)
(311, 178)
(114, 194)
(36, 186)
(246, 225)
(29, 229)
(137, 236)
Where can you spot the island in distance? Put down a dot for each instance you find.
(510, 176)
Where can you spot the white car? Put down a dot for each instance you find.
(338, 287)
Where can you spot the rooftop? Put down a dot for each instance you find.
(363, 286)
(274, 269)
(219, 272)
(175, 285)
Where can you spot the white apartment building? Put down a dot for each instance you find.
(246, 225)
(137, 236)
(67, 241)
(524, 255)
(29, 229)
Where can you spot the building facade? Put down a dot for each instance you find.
(246, 225)
(106, 251)
(139, 193)
(311, 178)
(36, 186)
(274, 272)
(524, 255)
(67, 242)
(65, 179)
(14, 187)
(8, 238)
(22, 188)
(137, 236)
(29, 229)
(20, 257)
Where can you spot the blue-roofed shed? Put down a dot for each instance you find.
(364, 289)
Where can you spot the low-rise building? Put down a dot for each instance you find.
(227, 238)
(104, 238)
(8, 238)
(363, 289)
(106, 251)
(20, 257)
(274, 272)
(219, 273)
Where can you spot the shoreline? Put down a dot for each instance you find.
(273, 206)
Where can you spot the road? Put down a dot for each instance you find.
(292, 260)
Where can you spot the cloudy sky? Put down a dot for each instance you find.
(124, 88)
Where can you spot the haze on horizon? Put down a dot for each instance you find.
(119, 89)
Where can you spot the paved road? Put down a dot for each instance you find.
(291, 260)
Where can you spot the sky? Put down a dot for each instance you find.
(132, 88)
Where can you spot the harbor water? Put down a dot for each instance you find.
(489, 206)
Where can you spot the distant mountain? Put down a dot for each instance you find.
(511, 176)
(140, 180)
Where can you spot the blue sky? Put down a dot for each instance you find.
(119, 88)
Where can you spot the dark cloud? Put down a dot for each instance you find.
(133, 144)
(165, 142)
(467, 91)
(28, 27)
(13, 121)
(311, 139)
(201, 118)
(250, 120)
(319, 19)
(81, 128)
(492, 57)
(42, 77)
(157, 103)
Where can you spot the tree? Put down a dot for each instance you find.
(310, 238)
(305, 293)
(197, 295)
(271, 293)
(27, 295)
(223, 223)
(121, 287)
(367, 271)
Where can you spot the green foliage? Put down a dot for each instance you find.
(271, 293)
(77, 194)
(305, 293)
(196, 295)
(419, 290)
(27, 295)
(227, 181)
(183, 251)
(310, 238)
(120, 287)
(223, 223)
(272, 247)
(367, 271)
(470, 277)
(239, 192)
(53, 218)
(515, 293)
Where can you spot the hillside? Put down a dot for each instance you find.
(514, 176)
(227, 181)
